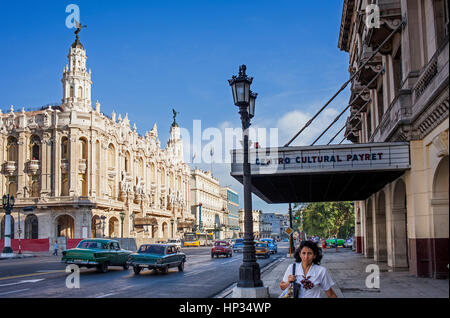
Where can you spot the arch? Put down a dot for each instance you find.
(141, 167)
(114, 230)
(368, 236)
(380, 242)
(2, 234)
(65, 226)
(35, 145)
(31, 227)
(399, 227)
(96, 227)
(440, 214)
(80, 92)
(12, 148)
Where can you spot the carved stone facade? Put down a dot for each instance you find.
(80, 169)
(406, 223)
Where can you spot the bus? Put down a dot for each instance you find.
(198, 239)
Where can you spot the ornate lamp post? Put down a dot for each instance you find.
(122, 217)
(250, 283)
(8, 204)
(171, 222)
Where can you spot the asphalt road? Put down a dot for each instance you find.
(203, 277)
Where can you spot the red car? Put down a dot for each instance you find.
(221, 248)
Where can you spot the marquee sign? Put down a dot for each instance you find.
(324, 158)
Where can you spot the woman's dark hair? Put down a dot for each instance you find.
(311, 245)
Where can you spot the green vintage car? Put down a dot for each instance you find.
(99, 253)
(157, 257)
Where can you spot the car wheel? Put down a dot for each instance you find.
(231, 254)
(137, 270)
(181, 267)
(103, 267)
(126, 266)
(226, 255)
(212, 255)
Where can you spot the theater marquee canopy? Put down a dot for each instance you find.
(322, 173)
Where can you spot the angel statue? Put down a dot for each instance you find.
(175, 113)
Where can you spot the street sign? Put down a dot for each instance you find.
(288, 231)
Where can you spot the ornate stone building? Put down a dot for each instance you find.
(205, 190)
(81, 169)
(406, 99)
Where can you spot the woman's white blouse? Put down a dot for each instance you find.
(319, 277)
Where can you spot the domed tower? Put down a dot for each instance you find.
(175, 143)
(76, 79)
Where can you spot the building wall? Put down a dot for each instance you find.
(406, 223)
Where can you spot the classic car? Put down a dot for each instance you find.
(273, 247)
(221, 248)
(177, 242)
(262, 249)
(238, 245)
(157, 257)
(332, 242)
(99, 253)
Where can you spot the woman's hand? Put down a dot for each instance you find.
(292, 278)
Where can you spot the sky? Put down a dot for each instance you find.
(148, 57)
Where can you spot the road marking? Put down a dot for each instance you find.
(23, 282)
(14, 291)
(106, 295)
(28, 275)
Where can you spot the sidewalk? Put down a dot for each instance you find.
(30, 254)
(347, 269)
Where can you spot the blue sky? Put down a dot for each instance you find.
(148, 57)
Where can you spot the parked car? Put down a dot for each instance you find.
(348, 243)
(177, 242)
(262, 249)
(221, 248)
(273, 247)
(238, 246)
(159, 257)
(99, 253)
(332, 242)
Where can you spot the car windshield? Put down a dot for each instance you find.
(89, 244)
(152, 249)
(221, 244)
(172, 241)
(267, 240)
(239, 241)
(260, 245)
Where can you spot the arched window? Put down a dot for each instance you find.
(111, 156)
(31, 227)
(35, 143)
(80, 92)
(83, 150)
(12, 149)
(35, 189)
(64, 148)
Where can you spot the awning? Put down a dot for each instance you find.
(322, 173)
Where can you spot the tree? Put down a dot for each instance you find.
(327, 219)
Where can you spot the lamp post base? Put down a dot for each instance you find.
(7, 250)
(250, 292)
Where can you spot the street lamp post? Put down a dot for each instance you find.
(122, 217)
(171, 223)
(250, 283)
(8, 204)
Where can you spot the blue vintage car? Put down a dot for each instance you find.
(238, 245)
(157, 257)
(273, 247)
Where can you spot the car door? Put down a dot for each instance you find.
(114, 253)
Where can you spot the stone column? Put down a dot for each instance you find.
(73, 163)
(46, 173)
(56, 164)
(21, 158)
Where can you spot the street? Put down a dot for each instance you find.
(203, 277)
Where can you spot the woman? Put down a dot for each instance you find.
(311, 276)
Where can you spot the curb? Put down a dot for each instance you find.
(229, 290)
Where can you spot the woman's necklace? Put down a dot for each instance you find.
(307, 284)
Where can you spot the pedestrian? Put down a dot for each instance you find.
(324, 245)
(55, 253)
(310, 276)
(336, 242)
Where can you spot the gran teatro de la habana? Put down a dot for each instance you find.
(90, 175)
